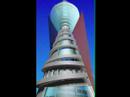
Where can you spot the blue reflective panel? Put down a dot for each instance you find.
(85, 91)
(69, 91)
(50, 92)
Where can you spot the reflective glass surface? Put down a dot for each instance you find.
(66, 51)
(69, 91)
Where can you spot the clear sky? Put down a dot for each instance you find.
(43, 8)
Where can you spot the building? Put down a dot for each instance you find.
(66, 72)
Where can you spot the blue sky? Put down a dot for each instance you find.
(43, 8)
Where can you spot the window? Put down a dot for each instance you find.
(67, 51)
(68, 91)
(69, 59)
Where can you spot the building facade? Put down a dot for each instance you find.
(65, 72)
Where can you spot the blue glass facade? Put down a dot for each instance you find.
(68, 91)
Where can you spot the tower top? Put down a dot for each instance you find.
(64, 13)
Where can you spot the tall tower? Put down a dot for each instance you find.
(65, 74)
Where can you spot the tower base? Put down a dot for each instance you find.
(69, 90)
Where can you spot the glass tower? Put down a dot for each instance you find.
(65, 74)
